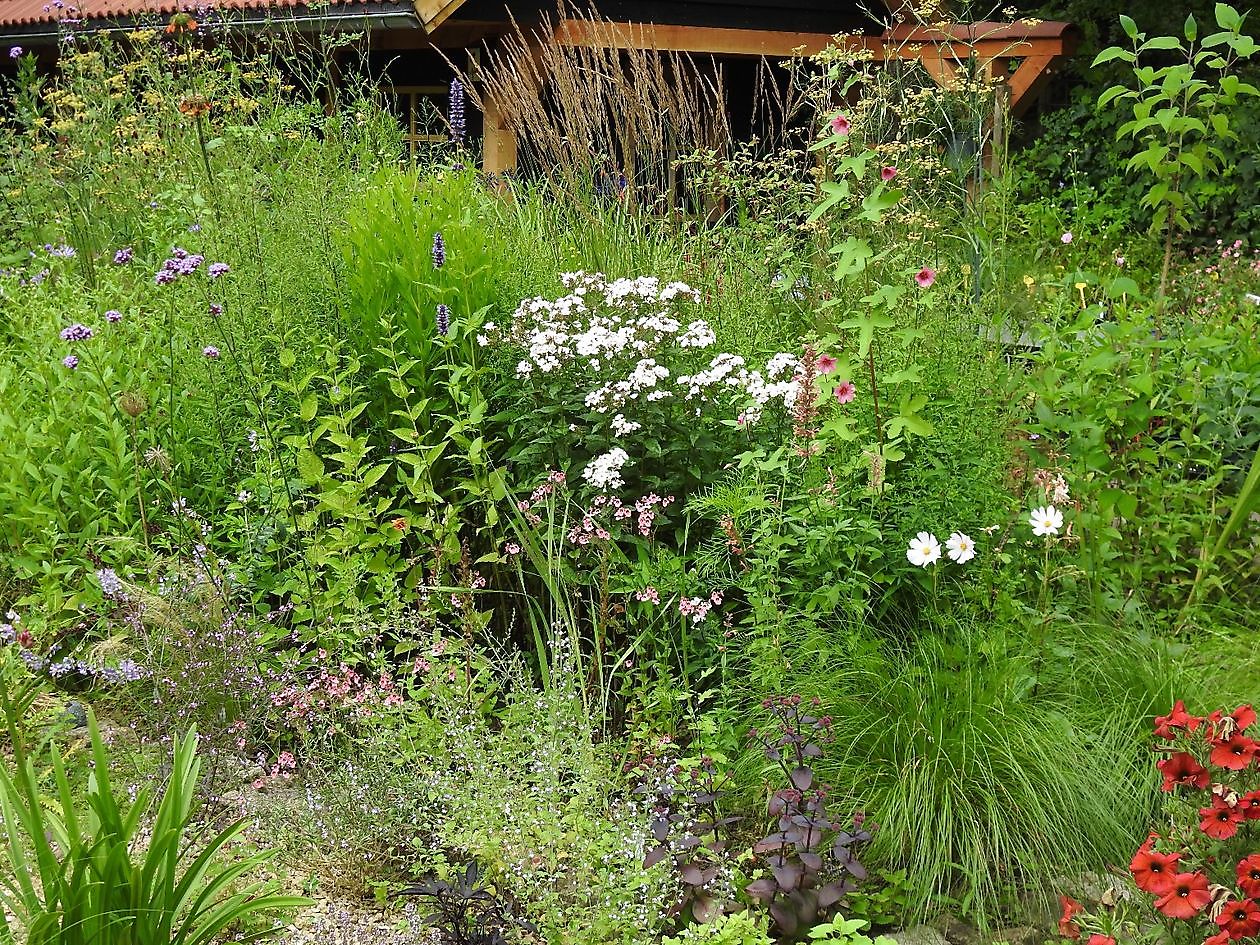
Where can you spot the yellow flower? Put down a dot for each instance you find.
(1029, 281)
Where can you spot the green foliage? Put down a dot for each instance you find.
(78, 875)
(1179, 116)
(736, 928)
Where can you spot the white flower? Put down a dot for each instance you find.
(1046, 521)
(924, 550)
(604, 472)
(621, 426)
(960, 548)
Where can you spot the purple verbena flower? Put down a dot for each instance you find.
(216, 309)
(443, 320)
(218, 269)
(195, 228)
(113, 316)
(439, 250)
(76, 332)
(164, 276)
(123, 256)
(179, 253)
(210, 351)
(15, 52)
(70, 361)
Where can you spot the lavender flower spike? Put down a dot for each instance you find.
(443, 320)
(439, 250)
(456, 112)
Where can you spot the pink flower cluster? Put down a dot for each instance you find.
(554, 480)
(697, 608)
(606, 511)
(283, 769)
(343, 690)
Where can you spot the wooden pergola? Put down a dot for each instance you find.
(1019, 56)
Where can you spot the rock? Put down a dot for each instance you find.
(1018, 935)
(956, 931)
(919, 935)
(76, 715)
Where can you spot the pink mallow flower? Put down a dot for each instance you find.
(826, 364)
(925, 277)
(845, 392)
(1066, 237)
(888, 173)
(840, 125)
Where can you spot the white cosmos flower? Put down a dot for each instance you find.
(960, 548)
(1046, 521)
(924, 550)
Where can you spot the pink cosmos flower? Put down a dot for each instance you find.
(840, 125)
(845, 392)
(925, 277)
(888, 173)
(1066, 237)
(826, 364)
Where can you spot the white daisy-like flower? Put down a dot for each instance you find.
(1046, 521)
(960, 548)
(924, 550)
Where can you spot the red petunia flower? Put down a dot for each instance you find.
(1098, 939)
(1187, 898)
(1250, 804)
(1221, 820)
(1220, 938)
(1249, 875)
(1240, 919)
(1153, 871)
(1166, 725)
(1183, 769)
(1239, 720)
(1071, 909)
(1233, 753)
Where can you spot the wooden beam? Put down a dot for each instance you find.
(1032, 73)
(498, 149)
(696, 39)
(433, 13)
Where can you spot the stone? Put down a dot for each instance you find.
(919, 935)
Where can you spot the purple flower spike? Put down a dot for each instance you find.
(218, 269)
(456, 116)
(439, 250)
(443, 320)
(70, 361)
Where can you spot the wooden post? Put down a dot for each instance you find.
(499, 140)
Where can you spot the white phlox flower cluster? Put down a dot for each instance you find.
(604, 471)
(628, 341)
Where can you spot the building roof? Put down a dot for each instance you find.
(18, 14)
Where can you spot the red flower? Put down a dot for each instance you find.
(1097, 939)
(1183, 769)
(1221, 820)
(1071, 909)
(1240, 919)
(1249, 875)
(1166, 725)
(1237, 721)
(1233, 753)
(1250, 804)
(1220, 938)
(1187, 898)
(1153, 871)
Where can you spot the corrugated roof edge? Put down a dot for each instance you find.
(353, 15)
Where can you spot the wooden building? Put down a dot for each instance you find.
(415, 42)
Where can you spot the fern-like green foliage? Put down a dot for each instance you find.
(80, 873)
